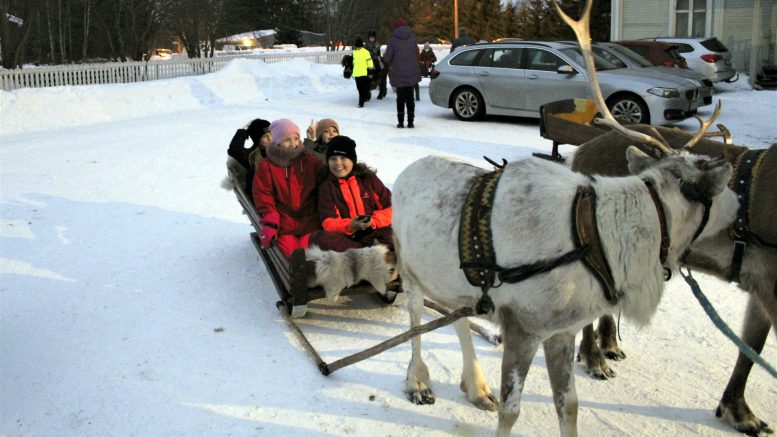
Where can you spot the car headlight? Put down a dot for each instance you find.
(664, 92)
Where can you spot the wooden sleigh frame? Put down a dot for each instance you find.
(292, 286)
(571, 121)
(294, 295)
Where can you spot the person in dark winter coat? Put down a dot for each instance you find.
(401, 55)
(259, 132)
(363, 68)
(284, 190)
(463, 40)
(319, 134)
(353, 204)
(379, 80)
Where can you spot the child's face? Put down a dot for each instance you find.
(340, 166)
(290, 142)
(328, 134)
(265, 140)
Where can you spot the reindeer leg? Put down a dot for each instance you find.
(559, 354)
(591, 356)
(519, 349)
(732, 407)
(606, 330)
(417, 381)
(472, 381)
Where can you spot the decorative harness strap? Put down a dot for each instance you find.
(747, 166)
(586, 234)
(665, 239)
(476, 247)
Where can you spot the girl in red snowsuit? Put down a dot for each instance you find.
(284, 190)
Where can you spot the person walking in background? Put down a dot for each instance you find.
(362, 69)
(373, 46)
(404, 74)
(463, 40)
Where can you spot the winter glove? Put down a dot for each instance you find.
(371, 73)
(269, 230)
(360, 223)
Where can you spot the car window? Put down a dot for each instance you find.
(684, 48)
(506, 58)
(640, 50)
(600, 63)
(466, 58)
(543, 60)
(713, 44)
(630, 55)
(673, 53)
(612, 58)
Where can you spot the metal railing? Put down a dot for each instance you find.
(124, 72)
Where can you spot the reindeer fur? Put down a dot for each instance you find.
(531, 221)
(759, 267)
(336, 271)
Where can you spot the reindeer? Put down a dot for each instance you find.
(377, 81)
(531, 224)
(758, 274)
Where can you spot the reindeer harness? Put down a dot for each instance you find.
(746, 168)
(476, 246)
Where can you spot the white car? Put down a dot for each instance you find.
(708, 56)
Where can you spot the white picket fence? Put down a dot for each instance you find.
(123, 72)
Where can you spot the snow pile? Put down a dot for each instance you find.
(241, 82)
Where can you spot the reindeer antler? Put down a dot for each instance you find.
(581, 29)
(704, 125)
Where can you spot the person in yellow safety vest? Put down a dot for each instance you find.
(363, 68)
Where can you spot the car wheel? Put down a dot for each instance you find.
(468, 105)
(629, 109)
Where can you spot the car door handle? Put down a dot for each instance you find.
(532, 76)
(483, 73)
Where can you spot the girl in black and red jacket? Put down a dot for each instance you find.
(353, 204)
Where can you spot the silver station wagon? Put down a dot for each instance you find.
(515, 78)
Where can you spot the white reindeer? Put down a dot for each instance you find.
(532, 221)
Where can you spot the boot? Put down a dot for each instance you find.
(410, 118)
(401, 120)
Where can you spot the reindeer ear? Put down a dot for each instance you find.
(714, 181)
(638, 160)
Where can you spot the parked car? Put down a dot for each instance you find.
(515, 78)
(620, 55)
(707, 56)
(662, 54)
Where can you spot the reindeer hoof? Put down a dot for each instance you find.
(488, 403)
(601, 373)
(742, 419)
(615, 355)
(421, 397)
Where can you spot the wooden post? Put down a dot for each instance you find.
(455, 18)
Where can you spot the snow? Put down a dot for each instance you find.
(133, 302)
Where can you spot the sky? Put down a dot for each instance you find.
(134, 303)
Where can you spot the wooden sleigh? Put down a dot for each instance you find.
(294, 293)
(292, 286)
(571, 121)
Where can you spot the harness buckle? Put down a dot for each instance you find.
(741, 243)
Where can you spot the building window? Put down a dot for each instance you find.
(690, 18)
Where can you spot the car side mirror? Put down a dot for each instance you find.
(566, 69)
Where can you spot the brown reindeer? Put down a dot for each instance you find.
(757, 269)
(758, 274)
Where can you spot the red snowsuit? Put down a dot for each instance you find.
(289, 191)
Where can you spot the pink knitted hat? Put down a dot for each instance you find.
(281, 129)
